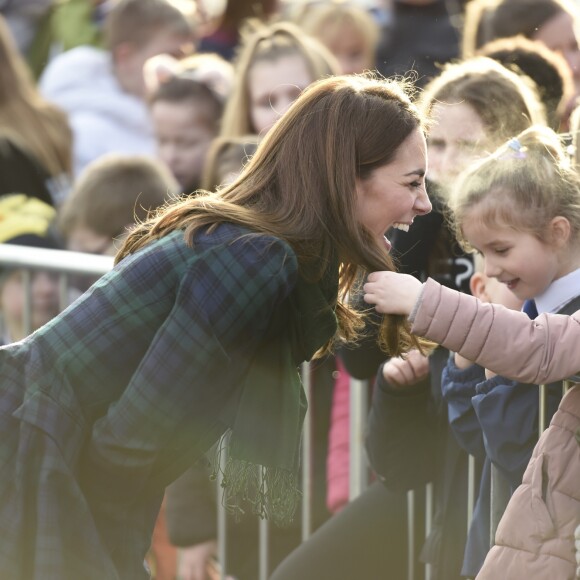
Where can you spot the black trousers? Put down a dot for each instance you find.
(367, 540)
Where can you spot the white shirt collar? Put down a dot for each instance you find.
(559, 293)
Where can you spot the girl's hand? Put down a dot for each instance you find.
(408, 370)
(392, 293)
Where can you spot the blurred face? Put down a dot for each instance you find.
(519, 260)
(395, 193)
(130, 59)
(350, 49)
(558, 35)
(45, 301)
(86, 240)
(457, 137)
(183, 139)
(273, 86)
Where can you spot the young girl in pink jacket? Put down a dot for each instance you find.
(526, 184)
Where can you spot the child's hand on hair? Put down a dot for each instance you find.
(406, 370)
(392, 293)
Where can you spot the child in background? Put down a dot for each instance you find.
(548, 69)
(103, 91)
(348, 31)
(186, 112)
(226, 158)
(26, 221)
(527, 225)
(554, 23)
(276, 62)
(468, 396)
(112, 195)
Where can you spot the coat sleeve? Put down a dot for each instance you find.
(402, 437)
(224, 302)
(505, 341)
(458, 387)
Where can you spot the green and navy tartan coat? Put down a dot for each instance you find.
(109, 402)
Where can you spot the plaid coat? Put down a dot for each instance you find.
(108, 403)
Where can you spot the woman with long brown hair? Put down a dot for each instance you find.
(198, 331)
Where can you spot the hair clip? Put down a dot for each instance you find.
(519, 151)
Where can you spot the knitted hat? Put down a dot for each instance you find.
(26, 221)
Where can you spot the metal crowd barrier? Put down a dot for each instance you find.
(66, 263)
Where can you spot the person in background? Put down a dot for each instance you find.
(349, 32)
(276, 62)
(226, 159)
(109, 198)
(103, 91)
(35, 137)
(421, 35)
(548, 69)
(554, 23)
(186, 112)
(221, 33)
(26, 221)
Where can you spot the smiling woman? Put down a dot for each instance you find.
(392, 195)
(108, 403)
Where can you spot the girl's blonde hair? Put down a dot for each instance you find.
(300, 186)
(524, 184)
(505, 102)
(266, 43)
(25, 117)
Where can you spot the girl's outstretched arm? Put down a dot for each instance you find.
(506, 341)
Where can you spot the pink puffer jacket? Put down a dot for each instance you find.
(535, 537)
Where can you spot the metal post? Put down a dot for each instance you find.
(358, 409)
(306, 457)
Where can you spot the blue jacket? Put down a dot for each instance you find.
(495, 420)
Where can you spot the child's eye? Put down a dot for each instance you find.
(501, 250)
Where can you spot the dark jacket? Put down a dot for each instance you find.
(418, 38)
(104, 406)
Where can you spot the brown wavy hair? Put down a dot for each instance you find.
(300, 186)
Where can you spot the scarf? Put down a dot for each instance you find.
(262, 448)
